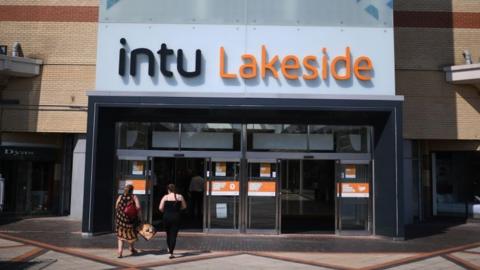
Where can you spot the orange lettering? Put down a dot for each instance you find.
(357, 67)
(293, 66)
(223, 73)
(324, 64)
(314, 72)
(268, 65)
(252, 65)
(348, 69)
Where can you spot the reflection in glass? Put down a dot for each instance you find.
(132, 135)
(165, 135)
(268, 137)
(217, 136)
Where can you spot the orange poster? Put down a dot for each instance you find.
(265, 170)
(355, 190)
(225, 188)
(350, 171)
(262, 189)
(139, 186)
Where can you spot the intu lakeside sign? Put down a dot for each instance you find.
(291, 67)
(236, 59)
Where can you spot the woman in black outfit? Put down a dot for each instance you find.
(170, 205)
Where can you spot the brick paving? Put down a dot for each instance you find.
(56, 243)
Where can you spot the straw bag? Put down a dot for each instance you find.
(147, 231)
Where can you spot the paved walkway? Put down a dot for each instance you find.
(57, 244)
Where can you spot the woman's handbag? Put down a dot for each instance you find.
(131, 210)
(147, 231)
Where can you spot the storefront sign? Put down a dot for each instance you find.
(353, 190)
(262, 188)
(224, 188)
(27, 153)
(348, 49)
(139, 186)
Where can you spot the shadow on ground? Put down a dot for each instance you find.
(434, 226)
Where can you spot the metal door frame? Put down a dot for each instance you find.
(371, 213)
(277, 230)
(207, 199)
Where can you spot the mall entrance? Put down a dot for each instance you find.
(308, 196)
(256, 195)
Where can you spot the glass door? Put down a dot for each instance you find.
(136, 173)
(353, 192)
(263, 196)
(223, 194)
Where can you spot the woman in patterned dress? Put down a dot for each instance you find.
(124, 226)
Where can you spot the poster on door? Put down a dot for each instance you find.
(350, 172)
(137, 168)
(139, 186)
(224, 188)
(221, 169)
(353, 190)
(265, 170)
(262, 188)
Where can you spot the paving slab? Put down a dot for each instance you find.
(7, 254)
(7, 243)
(149, 256)
(240, 262)
(436, 263)
(473, 259)
(345, 260)
(56, 260)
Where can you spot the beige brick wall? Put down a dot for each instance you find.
(56, 43)
(68, 51)
(434, 109)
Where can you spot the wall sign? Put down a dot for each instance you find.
(252, 47)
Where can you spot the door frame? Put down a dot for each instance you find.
(278, 224)
(371, 209)
(207, 198)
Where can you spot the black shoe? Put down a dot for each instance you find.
(171, 256)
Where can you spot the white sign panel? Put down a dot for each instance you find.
(254, 59)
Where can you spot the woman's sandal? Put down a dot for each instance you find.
(134, 252)
(119, 256)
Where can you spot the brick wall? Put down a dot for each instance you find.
(435, 109)
(63, 34)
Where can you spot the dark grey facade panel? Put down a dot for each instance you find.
(384, 116)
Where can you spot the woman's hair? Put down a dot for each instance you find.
(128, 190)
(171, 188)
